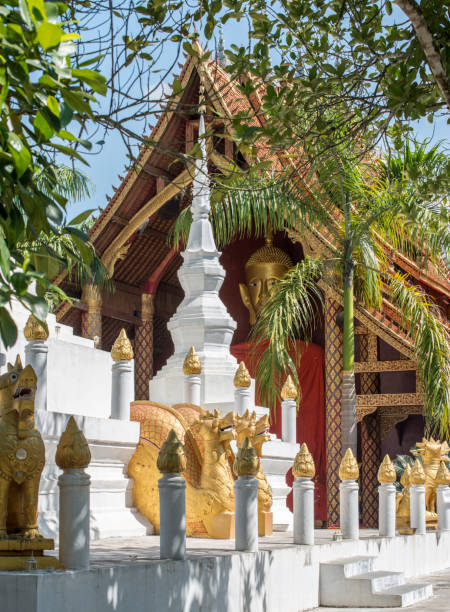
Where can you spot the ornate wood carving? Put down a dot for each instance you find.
(385, 366)
(390, 399)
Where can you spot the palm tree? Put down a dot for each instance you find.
(359, 207)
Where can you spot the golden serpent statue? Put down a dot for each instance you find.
(209, 476)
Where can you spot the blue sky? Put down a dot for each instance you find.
(105, 166)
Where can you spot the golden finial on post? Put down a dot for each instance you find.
(348, 470)
(121, 349)
(387, 473)
(192, 364)
(289, 390)
(417, 476)
(443, 475)
(34, 330)
(171, 457)
(304, 463)
(247, 460)
(242, 377)
(73, 450)
(405, 480)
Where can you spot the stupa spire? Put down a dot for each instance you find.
(221, 57)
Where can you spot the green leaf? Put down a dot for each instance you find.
(49, 35)
(43, 127)
(37, 305)
(8, 329)
(93, 79)
(20, 154)
(53, 105)
(5, 257)
(81, 217)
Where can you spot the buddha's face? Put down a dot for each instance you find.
(260, 280)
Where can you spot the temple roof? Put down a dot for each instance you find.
(130, 235)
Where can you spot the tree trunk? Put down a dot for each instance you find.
(348, 413)
(425, 37)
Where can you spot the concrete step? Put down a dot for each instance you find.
(354, 582)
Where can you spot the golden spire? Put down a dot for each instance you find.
(242, 376)
(247, 460)
(405, 480)
(122, 349)
(443, 475)
(34, 330)
(304, 463)
(289, 390)
(417, 474)
(348, 470)
(387, 473)
(192, 364)
(171, 457)
(73, 450)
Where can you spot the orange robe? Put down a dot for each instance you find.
(311, 415)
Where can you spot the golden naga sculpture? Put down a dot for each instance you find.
(431, 452)
(34, 330)
(257, 431)
(386, 472)
(22, 453)
(209, 479)
(192, 364)
(348, 470)
(262, 270)
(209, 476)
(304, 466)
(121, 349)
(73, 451)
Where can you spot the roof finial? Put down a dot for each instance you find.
(221, 57)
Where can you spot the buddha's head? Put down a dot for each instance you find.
(262, 270)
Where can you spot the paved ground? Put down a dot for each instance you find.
(440, 602)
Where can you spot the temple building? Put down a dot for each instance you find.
(131, 237)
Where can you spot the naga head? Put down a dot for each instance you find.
(17, 393)
(213, 427)
(432, 451)
(256, 430)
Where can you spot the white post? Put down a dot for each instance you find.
(443, 507)
(349, 509)
(122, 389)
(74, 518)
(172, 509)
(303, 490)
(417, 505)
(36, 355)
(246, 511)
(192, 389)
(386, 510)
(243, 400)
(289, 421)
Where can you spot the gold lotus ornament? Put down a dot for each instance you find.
(34, 330)
(387, 473)
(417, 476)
(121, 349)
(348, 470)
(73, 450)
(242, 377)
(443, 475)
(192, 364)
(304, 463)
(171, 457)
(247, 460)
(289, 390)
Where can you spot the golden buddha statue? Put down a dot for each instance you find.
(265, 266)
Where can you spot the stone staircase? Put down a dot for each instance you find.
(354, 582)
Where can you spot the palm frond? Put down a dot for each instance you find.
(431, 348)
(289, 314)
(65, 181)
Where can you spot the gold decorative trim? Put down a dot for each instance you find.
(34, 330)
(289, 390)
(247, 460)
(387, 473)
(73, 450)
(242, 377)
(399, 365)
(348, 470)
(192, 364)
(171, 457)
(390, 399)
(304, 466)
(121, 349)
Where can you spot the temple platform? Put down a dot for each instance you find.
(127, 575)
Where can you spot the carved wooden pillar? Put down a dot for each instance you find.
(143, 348)
(91, 319)
(333, 384)
(370, 436)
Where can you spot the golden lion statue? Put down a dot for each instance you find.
(209, 474)
(22, 453)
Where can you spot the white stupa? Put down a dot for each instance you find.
(201, 319)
